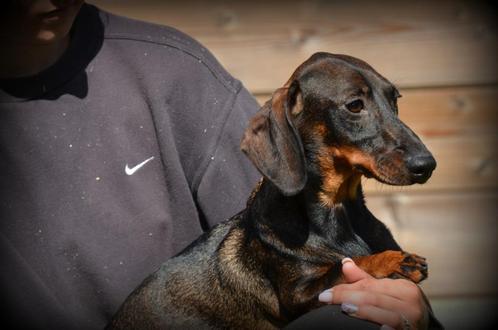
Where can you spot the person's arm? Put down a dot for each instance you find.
(229, 177)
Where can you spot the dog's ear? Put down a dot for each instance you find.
(272, 141)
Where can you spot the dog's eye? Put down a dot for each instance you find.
(355, 106)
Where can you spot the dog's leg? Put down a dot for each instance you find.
(394, 264)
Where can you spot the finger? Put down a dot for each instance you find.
(373, 314)
(351, 272)
(399, 288)
(361, 298)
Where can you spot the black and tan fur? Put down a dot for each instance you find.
(333, 121)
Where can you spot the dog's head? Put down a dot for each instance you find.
(336, 118)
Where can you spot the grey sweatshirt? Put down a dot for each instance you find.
(112, 161)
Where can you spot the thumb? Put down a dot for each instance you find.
(351, 272)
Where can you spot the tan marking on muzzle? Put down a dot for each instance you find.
(356, 157)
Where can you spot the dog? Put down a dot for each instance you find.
(334, 121)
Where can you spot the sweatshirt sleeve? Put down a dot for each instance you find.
(229, 176)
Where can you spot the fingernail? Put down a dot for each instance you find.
(326, 296)
(386, 327)
(349, 308)
(343, 261)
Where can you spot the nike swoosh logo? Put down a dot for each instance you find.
(131, 171)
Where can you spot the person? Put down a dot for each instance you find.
(119, 145)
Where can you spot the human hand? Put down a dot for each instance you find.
(393, 303)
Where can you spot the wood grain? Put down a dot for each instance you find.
(417, 43)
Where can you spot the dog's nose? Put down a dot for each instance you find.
(421, 167)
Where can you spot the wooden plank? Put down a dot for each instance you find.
(416, 43)
(456, 232)
(450, 112)
(445, 112)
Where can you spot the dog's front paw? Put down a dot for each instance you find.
(395, 264)
(411, 266)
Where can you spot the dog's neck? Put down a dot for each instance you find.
(338, 188)
(333, 178)
(303, 218)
